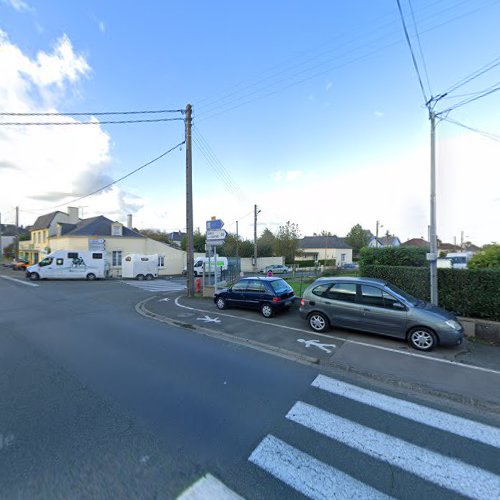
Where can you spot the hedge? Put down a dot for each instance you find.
(467, 292)
(393, 256)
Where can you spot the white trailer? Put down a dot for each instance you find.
(70, 264)
(140, 267)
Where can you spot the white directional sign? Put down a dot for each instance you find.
(216, 234)
(316, 343)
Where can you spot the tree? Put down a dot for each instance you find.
(9, 251)
(156, 235)
(287, 241)
(358, 238)
(229, 247)
(246, 248)
(198, 242)
(488, 258)
(266, 244)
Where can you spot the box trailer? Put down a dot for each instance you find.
(70, 264)
(140, 267)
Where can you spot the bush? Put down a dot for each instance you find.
(305, 263)
(473, 292)
(393, 256)
(488, 258)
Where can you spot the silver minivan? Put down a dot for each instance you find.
(375, 306)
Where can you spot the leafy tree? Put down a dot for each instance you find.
(9, 251)
(358, 238)
(246, 249)
(266, 244)
(156, 235)
(489, 257)
(198, 242)
(287, 241)
(229, 247)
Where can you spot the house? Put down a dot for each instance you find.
(384, 241)
(8, 235)
(100, 233)
(325, 248)
(176, 237)
(417, 242)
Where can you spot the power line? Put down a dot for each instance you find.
(408, 41)
(98, 113)
(490, 90)
(92, 122)
(120, 179)
(488, 135)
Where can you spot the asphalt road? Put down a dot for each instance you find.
(97, 401)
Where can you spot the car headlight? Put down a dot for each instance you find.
(453, 324)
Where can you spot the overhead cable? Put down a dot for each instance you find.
(488, 135)
(97, 113)
(106, 122)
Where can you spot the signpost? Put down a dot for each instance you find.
(215, 237)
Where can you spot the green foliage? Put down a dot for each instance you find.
(266, 244)
(287, 241)
(392, 256)
(305, 263)
(198, 242)
(156, 235)
(9, 252)
(489, 257)
(358, 238)
(472, 292)
(246, 249)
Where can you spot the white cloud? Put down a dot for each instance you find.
(329, 85)
(378, 114)
(19, 5)
(102, 27)
(44, 166)
(293, 175)
(277, 176)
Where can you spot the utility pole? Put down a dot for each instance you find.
(16, 256)
(376, 235)
(237, 241)
(433, 229)
(189, 205)
(255, 212)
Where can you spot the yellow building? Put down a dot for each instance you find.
(100, 233)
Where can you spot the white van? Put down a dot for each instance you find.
(140, 267)
(459, 260)
(70, 264)
(208, 263)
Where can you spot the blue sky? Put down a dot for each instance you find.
(313, 112)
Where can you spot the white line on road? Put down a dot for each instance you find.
(19, 281)
(434, 418)
(209, 488)
(306, 474)
(348, 341)
(444, 471)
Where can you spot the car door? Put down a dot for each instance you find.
(339, 301)
(236, 295)
(255, 294)
(382, 312)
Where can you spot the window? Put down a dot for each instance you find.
(72, 255)
(144, 259)
(241, 286)
(342, 257)
(117, 258)
(97, 255)
(45, 262)
(345, 292)
(161, 260)
(44, 236)
(256, 286)
(116, 230)
(59, 262)
(281, 286)
(372, 296)
(321, 289)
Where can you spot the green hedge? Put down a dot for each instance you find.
(393, 256)
(305, 263)
(467, 292)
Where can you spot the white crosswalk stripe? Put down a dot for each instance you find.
(159, 285)
(316, 479)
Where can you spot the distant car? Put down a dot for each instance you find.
(20, 264)
(267, 294)
(350, 265)
(375, 306)
(276, 269)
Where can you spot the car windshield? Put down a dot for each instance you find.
(281, 286)
(410, 298)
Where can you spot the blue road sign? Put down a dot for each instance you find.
(214, 224)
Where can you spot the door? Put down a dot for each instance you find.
(256, 293)
(47, 268)
(382, 313)
(236, 296)
(340, 302)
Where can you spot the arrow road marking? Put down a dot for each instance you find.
(208, 319)
(316, 343)
(166, 299)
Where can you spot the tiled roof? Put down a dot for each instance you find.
(417, 242)
(99, 226)
(43, 222)
(323, 242)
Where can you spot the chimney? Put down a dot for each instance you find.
(73, 215)
(129, 221)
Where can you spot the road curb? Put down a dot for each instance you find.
(141, 309)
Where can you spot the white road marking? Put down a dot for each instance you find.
(156, 285)
(208, 319)
(166, 299)
(209, 488)
(434, 418)
(306, 474)
(444, 471)
(348, 341)
(316, 343)
(19, 281)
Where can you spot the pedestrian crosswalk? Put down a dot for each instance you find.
(158, 285)
(440, 454)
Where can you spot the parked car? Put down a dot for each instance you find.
(268, 294)
(350, 265)
(20, 264)
(375, 306)
(276, 269)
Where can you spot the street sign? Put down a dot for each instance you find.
(215, 243)
(97, 245)
(216, 234)
(214, 224)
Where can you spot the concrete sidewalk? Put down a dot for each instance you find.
(468, 374)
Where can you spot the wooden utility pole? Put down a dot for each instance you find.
(237, 241)
(189, 205)
(433, 230)
(16, 256)
(255, 236)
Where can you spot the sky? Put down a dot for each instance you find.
(311, 111)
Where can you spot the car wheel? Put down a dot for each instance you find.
(149, 277)
(91, 276)
(34, 276)
(318, 322)
(422, 338)
(266, 310)
(139, 277)
(220, 303)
